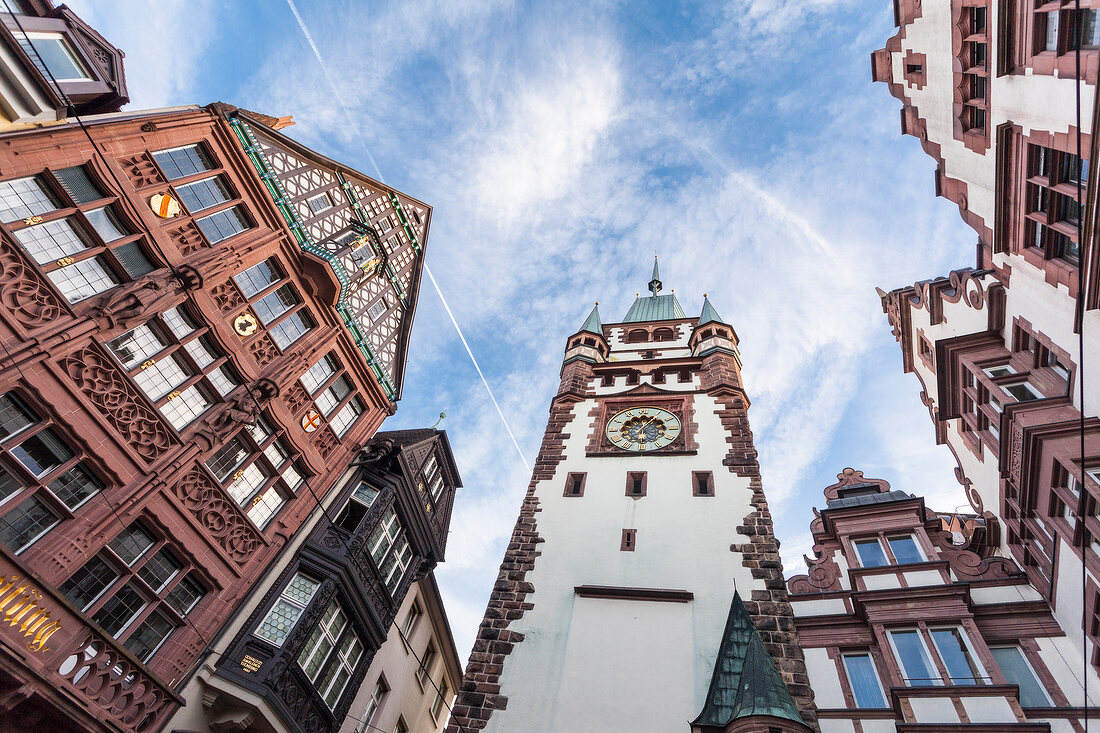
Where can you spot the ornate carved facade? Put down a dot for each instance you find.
(181, 379)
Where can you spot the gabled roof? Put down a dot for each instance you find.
(745, 681)
(654, 308)
(592, 323)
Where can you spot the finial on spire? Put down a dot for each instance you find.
(655, 283)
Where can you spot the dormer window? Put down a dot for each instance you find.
(53, 56)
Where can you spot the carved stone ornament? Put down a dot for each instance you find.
(242, 408)
(105, 386)
(141, 170)
(968, 565)
(22, 291)
(219, 516)
(326, 441)
(187, 237)
(227, 296)
(130, 303)
(263, 349)
(296, 397)
(823, 575)
(851, 477)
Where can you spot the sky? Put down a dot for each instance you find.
(561, 145)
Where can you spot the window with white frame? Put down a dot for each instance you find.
(330, 655)
(427, 662)
(440, 701)
(287, 609)
(83, 252)
(913, 658)
(333, 393)
(276, 303)
(258, 470)
(863, 680)
(138, 588)
(390, 550)
(319, 203)
(953, 645)
(175, 362)
(374, 704)
(434, 476)
(871, 554)
(377, 309)
(1018, 671)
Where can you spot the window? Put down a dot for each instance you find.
(53, 56)
(1016, 669)
(863, 680)
(223, 224)
(330, 654)
(703, 483)
(905, 549)
(176, 364)
(1001, 370)
(288, 608)
(373, 705)
(377, 309)
(137, 588)
(83, 253)
(434, 478)
(1051, 209)
(390, 550)
(42, 480)
(401, 727)
(333, 393)
(912, 657)
(954, 649)
(411, 618)
(636, 483)
(440, 699)
(427, 661)
(1021, 391)
(277, 306)
(628, 540)
(636, 336)
(183, 161)
(664, 334)
(320, 202)
(203, 194)
(574, 484)
(870, 553)
(257, 470)
(356, 508)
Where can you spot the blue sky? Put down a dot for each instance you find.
(560, 145)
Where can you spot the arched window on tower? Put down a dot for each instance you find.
(664, 334)
(638, 335)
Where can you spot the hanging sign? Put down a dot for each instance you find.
(311, 421)
(164, 206)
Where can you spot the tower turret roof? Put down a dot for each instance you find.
(655, 283)
(654, 307)
(745, 681)
(592, 324)
(709, 314)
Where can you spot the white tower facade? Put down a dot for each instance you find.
(644, 513)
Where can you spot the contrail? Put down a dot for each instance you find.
(427, 270)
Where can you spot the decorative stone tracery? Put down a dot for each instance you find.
(219, 516)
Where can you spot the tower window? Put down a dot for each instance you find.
(628, 540)
(636, 483)
(702, 483)
(638, 335)
(574, 484)
(664, 334)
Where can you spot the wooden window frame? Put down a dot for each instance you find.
(571, 483)
(635, 479)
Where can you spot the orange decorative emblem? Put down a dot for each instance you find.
(311, 421)
(164, 206)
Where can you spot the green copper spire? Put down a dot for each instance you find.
(592, 323)
(709, 314)
(655, 283)
(745, 682)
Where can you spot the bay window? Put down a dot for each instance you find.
(390, 550)
(913, 658)
(954, 649)
(287, 609)
(330, 655)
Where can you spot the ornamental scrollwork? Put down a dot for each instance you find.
(219, 516)
(104, 385)
(23, 292)
(823, 574)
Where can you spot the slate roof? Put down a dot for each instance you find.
(654, 308)
(868, 499)
(745, 681)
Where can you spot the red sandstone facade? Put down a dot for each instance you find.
(167, 418)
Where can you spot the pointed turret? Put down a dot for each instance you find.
(592, 324)
(655, 283)
(589, 343)
(746, 687)
(712, 334)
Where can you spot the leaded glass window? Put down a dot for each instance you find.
(284, 614)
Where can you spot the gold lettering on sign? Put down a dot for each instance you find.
(33, 220)
(238, 474)
(173, 394)
(65, 261)
(249, 663)
(19, 604)
(148, 363)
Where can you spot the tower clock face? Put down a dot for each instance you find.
(643, 428)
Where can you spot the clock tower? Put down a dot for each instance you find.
(642, 589)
